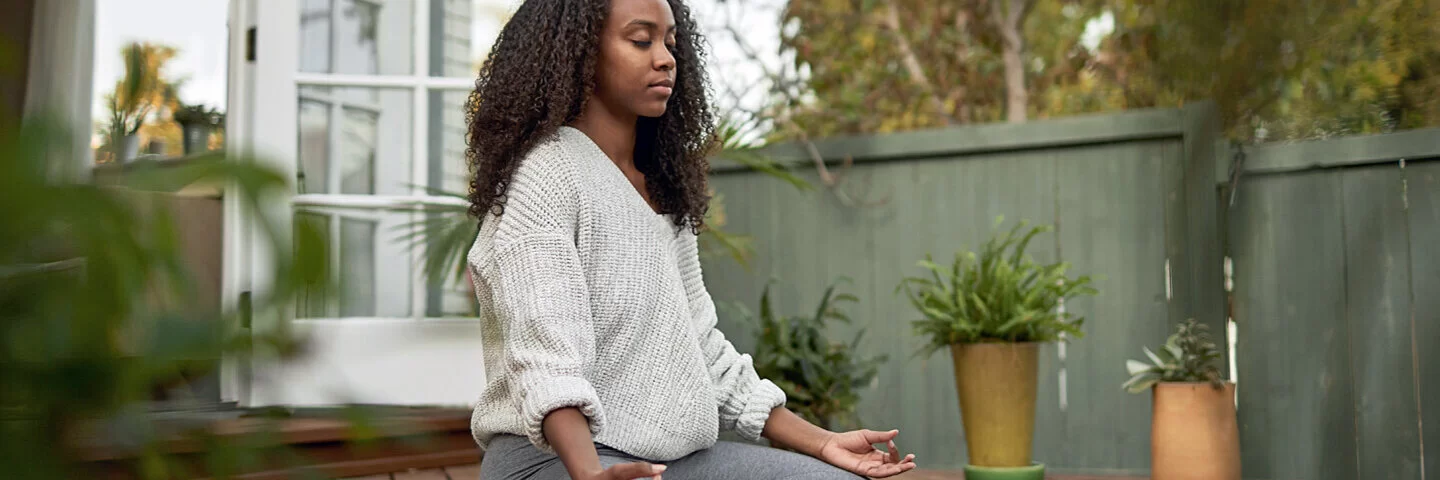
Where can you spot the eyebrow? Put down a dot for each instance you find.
(647, 24)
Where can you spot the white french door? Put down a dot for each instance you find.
(361, 103)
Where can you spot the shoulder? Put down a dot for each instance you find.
(552, 166)
(547, 188)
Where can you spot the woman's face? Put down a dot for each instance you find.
(636, 71)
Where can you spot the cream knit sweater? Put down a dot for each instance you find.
(590, 299)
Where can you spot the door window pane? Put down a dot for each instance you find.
(448, 168)
(355, 141)
(358, 150)
(315, 36)
(357, 37)
(357, 270)
(449, 172)
(314, 301)
(372, 271)
(461, 33)
(314, 141)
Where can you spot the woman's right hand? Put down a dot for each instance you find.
(629, 471)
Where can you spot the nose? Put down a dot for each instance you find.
(664, 61)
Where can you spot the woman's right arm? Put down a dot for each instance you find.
(549, 342)
(540, 296)
(567, 431)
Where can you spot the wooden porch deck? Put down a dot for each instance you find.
(447, 453)
(472, 472)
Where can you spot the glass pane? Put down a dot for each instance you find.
(357, 150)
(314, 144)
(449, 172)
(313, 302)
(357, 37)
(315, 36)
(179, 46)
(461, 33)
(371, 138)
(357, 269)
(448, 168)
(372, 272)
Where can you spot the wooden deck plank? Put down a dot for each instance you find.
(426, 474)
(473, 472)
(464, 472)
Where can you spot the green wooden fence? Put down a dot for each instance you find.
(1336, 251)
(1132, 195)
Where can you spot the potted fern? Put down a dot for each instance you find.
(822, 378)
(993, 309)
(1193, 431)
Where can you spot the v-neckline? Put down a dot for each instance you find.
(619, 174)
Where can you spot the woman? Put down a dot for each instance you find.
(589, 127)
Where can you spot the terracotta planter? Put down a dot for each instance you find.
(1193, 432)
(996, 383)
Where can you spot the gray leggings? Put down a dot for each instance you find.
(514, 458)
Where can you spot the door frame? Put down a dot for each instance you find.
(411, 360)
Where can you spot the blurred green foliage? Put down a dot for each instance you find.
(97, 306)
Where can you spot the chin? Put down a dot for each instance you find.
(652, 107)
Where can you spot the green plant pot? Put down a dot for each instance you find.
(1032, 472)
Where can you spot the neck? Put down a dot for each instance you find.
(614, 133)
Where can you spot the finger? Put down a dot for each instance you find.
(909, 459)
(873, 437)
(888, 470)
(631, 471)
(894, 456)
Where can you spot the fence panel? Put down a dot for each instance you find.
(1333, 245)
(1119, 188)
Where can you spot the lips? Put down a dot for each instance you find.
(663, 87)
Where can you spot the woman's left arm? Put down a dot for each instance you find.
(787, 429)
(853, 451)
(755, 407)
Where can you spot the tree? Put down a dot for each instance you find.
(143, 94)
(887, 65)
(1278, 68)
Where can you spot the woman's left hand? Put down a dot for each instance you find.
(855, 452)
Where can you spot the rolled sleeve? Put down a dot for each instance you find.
(543, 303)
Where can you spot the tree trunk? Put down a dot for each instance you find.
(912, 63)
(1008, 17)
(1016, 98)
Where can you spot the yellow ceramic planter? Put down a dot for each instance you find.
(996, 383)
(1193, 434)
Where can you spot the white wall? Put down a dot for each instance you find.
(390, 362)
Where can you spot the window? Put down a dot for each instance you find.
(381, 88)
(362, 103)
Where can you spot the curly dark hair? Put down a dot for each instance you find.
(539, 75)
